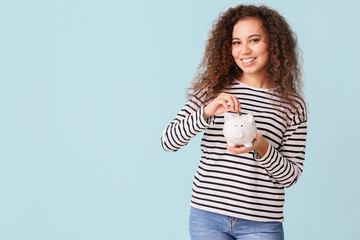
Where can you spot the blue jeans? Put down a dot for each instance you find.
(206, 225)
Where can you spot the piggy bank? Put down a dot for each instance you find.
(239, 130)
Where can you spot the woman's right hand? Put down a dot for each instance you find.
(223, 103)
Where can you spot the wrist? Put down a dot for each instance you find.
(263, 147)
(205, 114)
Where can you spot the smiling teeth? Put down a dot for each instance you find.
(248, 60)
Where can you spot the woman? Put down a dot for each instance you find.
(250, 65)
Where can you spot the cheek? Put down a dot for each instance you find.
(266, 54)
(234, 55)
(264, 51)
(234, 52)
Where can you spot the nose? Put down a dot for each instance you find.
(238, 134)
(245, 49)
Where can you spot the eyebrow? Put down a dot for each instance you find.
(253, 35)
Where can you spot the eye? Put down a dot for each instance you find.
(236, 42)
(254, 40)
(241, 125)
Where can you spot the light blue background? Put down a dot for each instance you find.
(86, 88)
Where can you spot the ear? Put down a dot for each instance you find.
(228, 116)
(249, 118)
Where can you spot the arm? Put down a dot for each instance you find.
(285, 165)
(194, 118)
(187, 123)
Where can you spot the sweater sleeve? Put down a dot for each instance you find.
(187, 124)
(285, 164)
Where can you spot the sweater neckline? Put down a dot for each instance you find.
(251, 87)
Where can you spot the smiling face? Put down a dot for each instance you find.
(249, 49)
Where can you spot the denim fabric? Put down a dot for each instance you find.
(206, 225)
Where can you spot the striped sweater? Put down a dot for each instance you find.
(244, 185)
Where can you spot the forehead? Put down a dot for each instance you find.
(248, 26)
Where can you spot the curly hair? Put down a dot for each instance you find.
(218, 68)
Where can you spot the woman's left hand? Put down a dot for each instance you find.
(260, 145)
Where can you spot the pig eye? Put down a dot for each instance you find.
(235, 125)
(241, 125)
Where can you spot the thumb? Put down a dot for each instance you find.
(257, 136)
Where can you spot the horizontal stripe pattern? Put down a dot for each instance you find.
(245, 185)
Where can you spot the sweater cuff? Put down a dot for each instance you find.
(205, 123)
(266, 157)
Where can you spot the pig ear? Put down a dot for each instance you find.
(250, 118)
(228, 116)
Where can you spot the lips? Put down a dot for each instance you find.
(248, 60)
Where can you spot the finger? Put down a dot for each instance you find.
(235, 151)
(234, 102)
(224, 103)
(230, 101)
(232, 150)
(257, 136)
(237, 103)
(238, 150)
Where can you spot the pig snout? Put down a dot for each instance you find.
(239, 134)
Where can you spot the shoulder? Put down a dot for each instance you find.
(197, 100)
(300, 111)
(294, 107)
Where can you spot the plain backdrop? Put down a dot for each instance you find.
(87, 87)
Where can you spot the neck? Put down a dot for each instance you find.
(257, 81)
